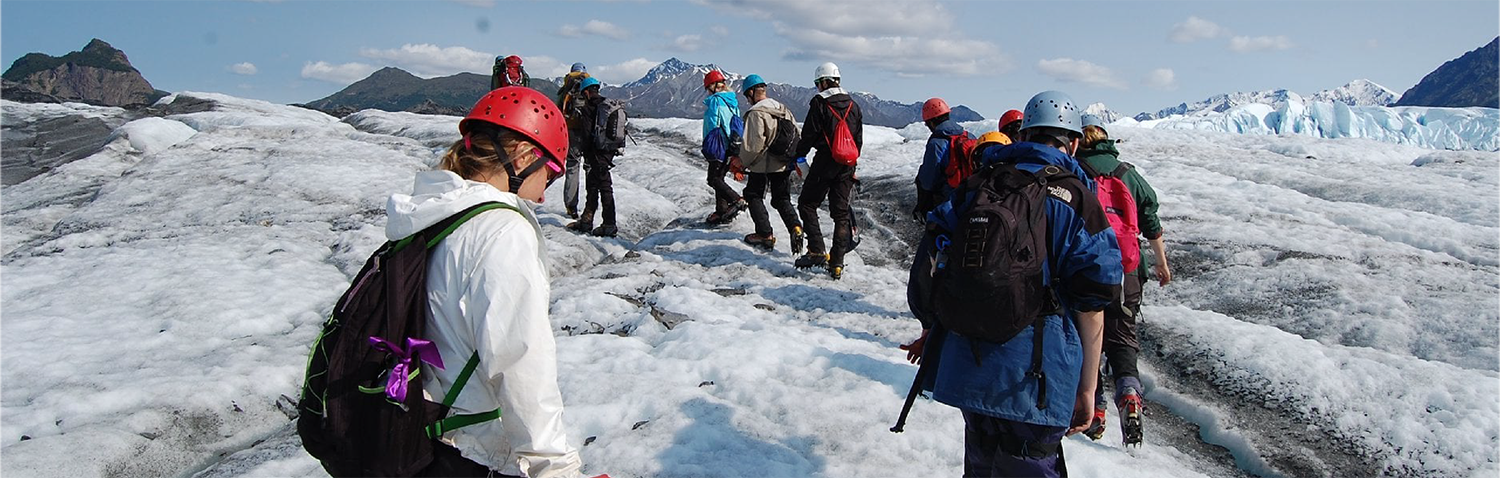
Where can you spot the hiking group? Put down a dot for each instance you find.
(1029, 268)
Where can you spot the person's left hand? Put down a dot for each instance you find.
(915, 348)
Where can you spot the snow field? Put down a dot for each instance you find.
(159, 304)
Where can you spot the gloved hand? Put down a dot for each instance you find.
(914, 349)
(925, 201)
(737, 168)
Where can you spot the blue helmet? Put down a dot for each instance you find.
(1052, 109)
(578, 67)
(587, 82)
(751, 82)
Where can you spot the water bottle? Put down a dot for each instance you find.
(802, 167)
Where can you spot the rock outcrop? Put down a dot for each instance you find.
(98, 75)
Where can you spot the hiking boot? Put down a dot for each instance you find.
(734, 210)
(767, 242)
(1096, 429)
(798, 240)
(572, 213)
(836, 272)
(715, 219)
(1131, 409)
(811, 259)
(606, 230)
(580, 226)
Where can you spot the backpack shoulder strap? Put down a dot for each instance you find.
(1088, 168)
(435, 233)
(1120, 171)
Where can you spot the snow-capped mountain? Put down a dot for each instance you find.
(1359, 92)
(1103, 112)
(1356, 93)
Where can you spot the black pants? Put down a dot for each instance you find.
(570, 180)
(836, 190)
(781, 199)
(447, 462)
(1121, 346)
(600, 186)
(986, 453)
(723, 194)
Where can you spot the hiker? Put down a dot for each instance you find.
(946, 144)
(1020, 391)
(1099, 157)
(1010, 124)
(770, 135)
(597, 161)
(508, 72)
(835, 126)
(570, 100)
(722, 132)
(488, 288)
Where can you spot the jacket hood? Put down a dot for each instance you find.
(1103, 147)
(435, 196)
(1035, 153)
(725, 96)
(948, 128)
(773, 107)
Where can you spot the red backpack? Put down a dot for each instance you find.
(1119, 208)
(842, 146)
(960, 164)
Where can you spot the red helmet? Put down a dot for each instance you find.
(526, 111)
(713, 76)
(933, 108)
(1010, 117)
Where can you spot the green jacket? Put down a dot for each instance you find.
(1103, 157)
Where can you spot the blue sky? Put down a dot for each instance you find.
(1131, 55)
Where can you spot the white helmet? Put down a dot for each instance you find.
(826, 70)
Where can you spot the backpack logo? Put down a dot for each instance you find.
(842, 146)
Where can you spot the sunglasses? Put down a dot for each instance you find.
(554, 168)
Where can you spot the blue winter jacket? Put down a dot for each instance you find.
(719, 109)
(991, 378)
(930, 175)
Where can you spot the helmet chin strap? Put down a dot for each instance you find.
(510, 170)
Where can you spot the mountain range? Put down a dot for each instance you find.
(672, 89)
(1356, 93)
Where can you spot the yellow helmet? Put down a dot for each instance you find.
(993, 137)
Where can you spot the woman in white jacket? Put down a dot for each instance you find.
(488, 291)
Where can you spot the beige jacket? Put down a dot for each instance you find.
(760, 128)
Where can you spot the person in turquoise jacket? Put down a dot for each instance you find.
(722, 129)
(1015, 419)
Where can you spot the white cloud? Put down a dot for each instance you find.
(427, 60)
(907, 37)
(719, 30)
(686, 43)
(1161, 79)
(245, 68)
(625, 72)
(1194, 29)
(1068, 70)
(1248, 44)
(342, 74)
(594, 27)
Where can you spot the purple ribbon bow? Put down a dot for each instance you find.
(415, 349)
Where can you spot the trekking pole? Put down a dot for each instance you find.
(916, 384)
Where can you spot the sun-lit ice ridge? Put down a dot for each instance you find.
(1428, 127)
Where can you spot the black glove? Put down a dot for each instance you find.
(925, 202)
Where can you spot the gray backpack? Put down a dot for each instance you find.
(609, 127)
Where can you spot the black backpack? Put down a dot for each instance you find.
(609, 126)
(785, 142)
(991, 284)
(346, 418)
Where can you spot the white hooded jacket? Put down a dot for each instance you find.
(488, 291)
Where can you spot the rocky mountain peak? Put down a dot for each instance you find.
(98, 74)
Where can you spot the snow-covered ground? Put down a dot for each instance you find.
(1334, 312)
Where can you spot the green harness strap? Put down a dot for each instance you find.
(455, 422)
